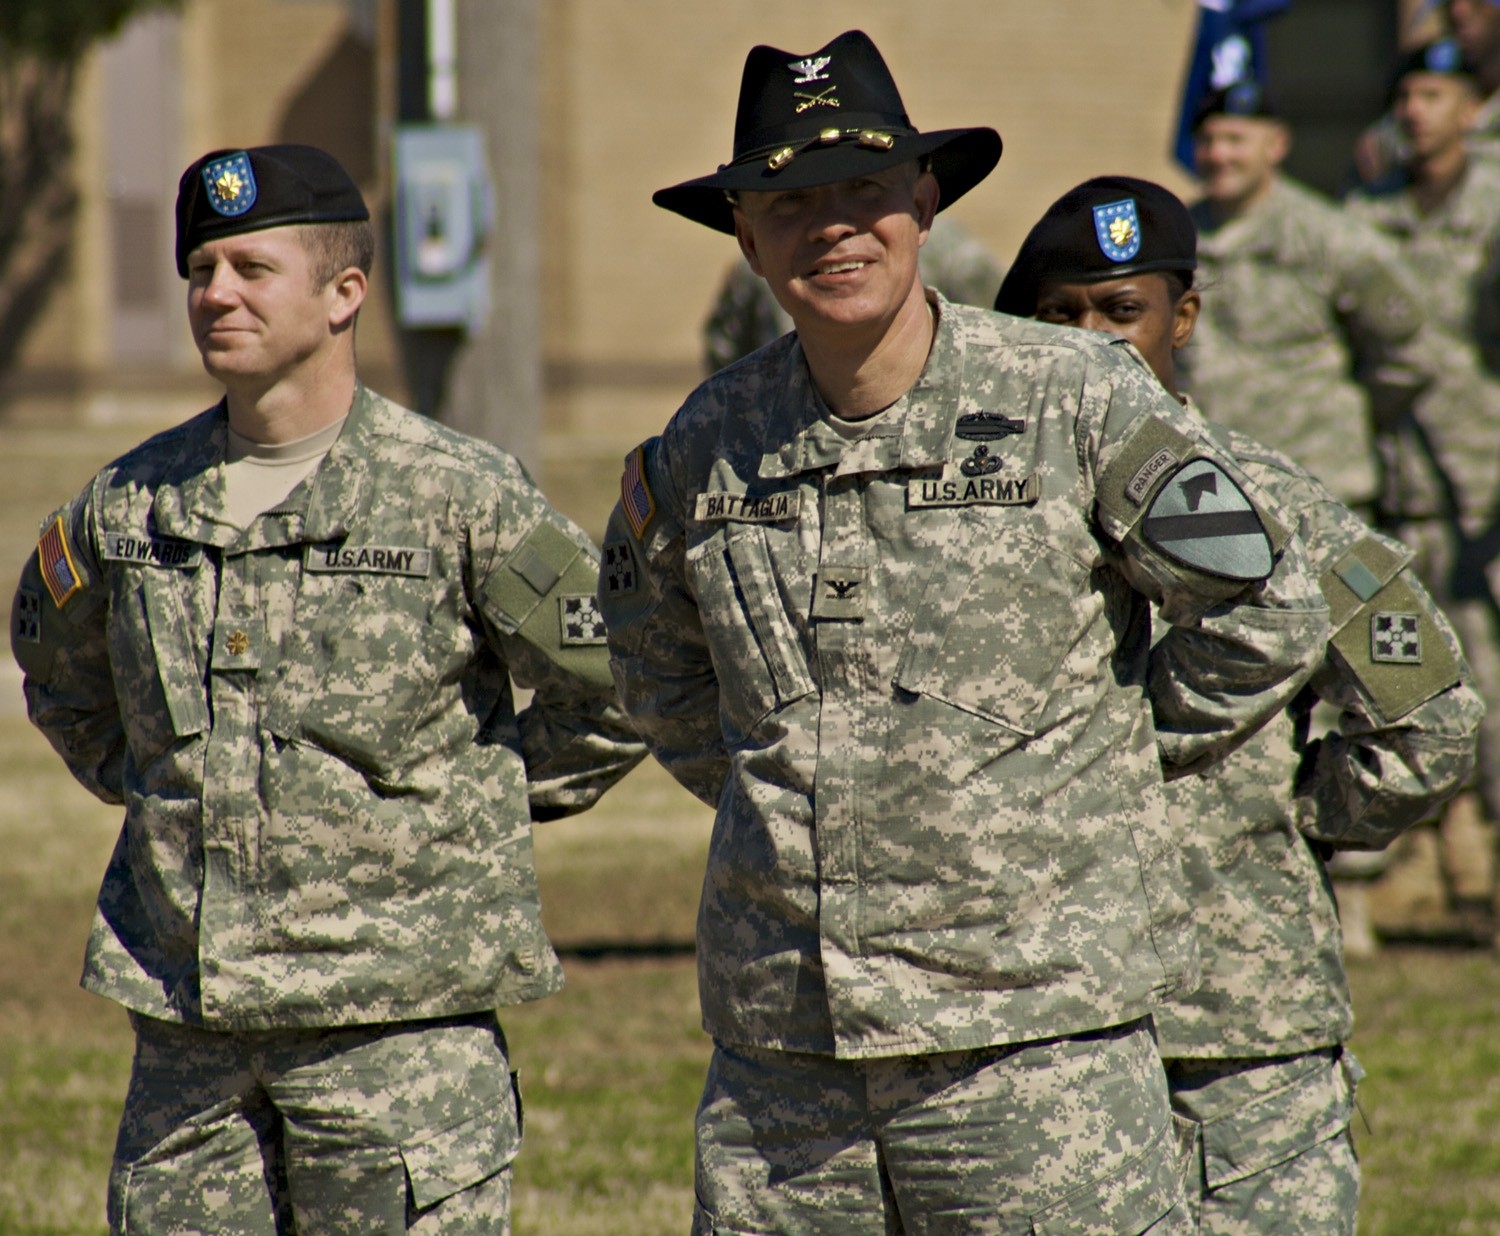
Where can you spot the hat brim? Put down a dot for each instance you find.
(1022, 285)
(961, 158)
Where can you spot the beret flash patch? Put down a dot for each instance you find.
(230, 184)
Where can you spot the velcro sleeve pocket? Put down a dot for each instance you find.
(1385, 632)
(546, 593)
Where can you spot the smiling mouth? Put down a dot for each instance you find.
(838, 268)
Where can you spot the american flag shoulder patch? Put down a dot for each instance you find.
(635, 493)
(59, 572)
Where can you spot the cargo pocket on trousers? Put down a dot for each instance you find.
(465, 1154)
(1283, 1124)
(1130, 1200)
(704, 1224)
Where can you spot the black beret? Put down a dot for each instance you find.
(227, 192)
(1439, 56)
(1105, 228)
(1246, 97)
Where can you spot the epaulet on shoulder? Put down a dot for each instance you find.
(412, 428)
(1243, 446)
(1388, 186)
(1002, 330)
(164, 445)
(1291, 483)
(764, 367)
(769, 357)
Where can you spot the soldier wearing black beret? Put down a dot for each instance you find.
(282, 635)
(1255, 1057)
(1101, 232)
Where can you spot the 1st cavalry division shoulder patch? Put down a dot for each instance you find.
(1203, 520)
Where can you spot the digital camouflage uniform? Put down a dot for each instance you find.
(1254, 1055)
(1443, 460)
(1311, 318)
(328, 803)
(911, 671)
(745, 315)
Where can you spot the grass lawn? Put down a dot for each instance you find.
(611, 1068)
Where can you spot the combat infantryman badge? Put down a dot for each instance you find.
(1118, 228)
(987, 426)
(231, 184)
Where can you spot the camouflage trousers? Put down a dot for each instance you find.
(406, 1127)
(1274, 1153)
(1069, 1135)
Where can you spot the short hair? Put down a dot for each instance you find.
(1179, 283)
(337, 246)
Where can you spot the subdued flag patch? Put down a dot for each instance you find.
(635, 493)
(1203, 520)
(59, 572)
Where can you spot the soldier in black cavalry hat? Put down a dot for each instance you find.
(868, 596)
(282, 635)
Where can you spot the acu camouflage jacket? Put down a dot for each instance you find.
(328, 791)
(1406, 715)
(912, 671)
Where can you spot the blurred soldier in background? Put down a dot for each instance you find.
(1255, 1055)
(1312, 325)
(746, 316)
(1442, 488)
(1382, 150)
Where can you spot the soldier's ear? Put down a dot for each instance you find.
(1280, 143)
(928, 197)
(1185, 317)
(746, 236)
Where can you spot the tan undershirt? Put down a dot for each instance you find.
(257, 476)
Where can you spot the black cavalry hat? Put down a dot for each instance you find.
(227, 192)
(1105, 228)
(824, 117)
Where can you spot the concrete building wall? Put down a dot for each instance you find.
(633, 97)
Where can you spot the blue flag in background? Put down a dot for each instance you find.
(1230, 47)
